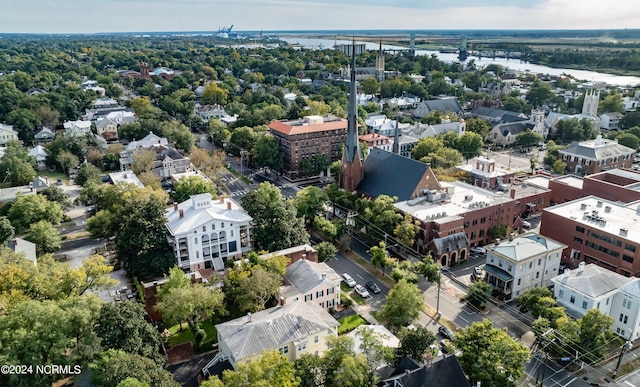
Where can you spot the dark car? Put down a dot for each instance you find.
(444, 343)
(446, 332)
(375, 289)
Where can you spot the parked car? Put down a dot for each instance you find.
(348, 280)
(446, 332)
(362, 292)
(479, 250)
(526, 224)
(375, 289)
(477, 272)
(444, 343)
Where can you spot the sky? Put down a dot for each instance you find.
(90, 16)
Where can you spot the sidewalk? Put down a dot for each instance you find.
(602, 375)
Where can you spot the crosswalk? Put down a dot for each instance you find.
(239, 193)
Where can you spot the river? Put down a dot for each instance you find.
(514, 64)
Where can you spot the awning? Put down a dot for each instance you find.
(499, 273)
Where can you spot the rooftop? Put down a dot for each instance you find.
(309, 124)
(273, 328)
(611, 217)
(306, 275)
(570, 180)
(592, 280)
(125, 177)
(525, 246)
(201, 209)
(597, 149)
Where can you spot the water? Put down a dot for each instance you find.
(514, 64)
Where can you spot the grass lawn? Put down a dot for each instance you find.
(357, 299)
(349, 323)
(344, 287)
(53, 176)
(186, 335)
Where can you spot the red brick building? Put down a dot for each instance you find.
(616, 185)
(307, 137)
(598, 231)
(593, 156)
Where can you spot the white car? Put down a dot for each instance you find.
(348, 280)
(362, 292)
(478, 250)
(526, 224)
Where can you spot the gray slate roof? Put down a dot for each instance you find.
(441, 105)
(593, 280)
(387, 173)
(306, 275)
(589, 149)
(443, 373)
(273, 328)
(498, 114)
(451, 243)
(515, 127)
(632, 288)
(526, 246)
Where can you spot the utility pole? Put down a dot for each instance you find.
(438, 298)
(627, 346)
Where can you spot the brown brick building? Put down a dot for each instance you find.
(598, 231)
(593, 156)
(307, 137)
(621, 185)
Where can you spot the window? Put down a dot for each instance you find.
(308, 297)
(302, 346)
(330, 291)
(519, 281)
(623, 318)
(561, 294)
(319, 293)
(204, 228)
(315, 339)
(284, 349)
(584, 305)
(196, 241)
(572, 299)
(580, 229)
(197, 254)
(233, 246)
(539, 261)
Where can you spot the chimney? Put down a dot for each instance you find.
(228, 205)
(512, 193)
(497, 241)
(15, 242)
(181, 214)
(511, 236)
(581, 267)
(249, 317)
(175, 206)
(221, 199)
(283, 302)
(299, 321)
(324, 275)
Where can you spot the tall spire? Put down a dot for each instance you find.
(351, 172)
(396, 140)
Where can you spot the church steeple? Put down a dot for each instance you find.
(380, 64)
(396, 140)
(351, 172)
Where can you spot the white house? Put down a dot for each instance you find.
(294, 329)
(593, 287)
(40, 154)
(45, 135)
(205, 233)
(7, 134)
(523, 262)
(610, 121)
(77, 128)
(311, 282)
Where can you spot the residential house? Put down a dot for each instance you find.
(40, 183)
(484, 174)
(40, 154)
(44, 136)
(598, 231)
(107, 125)
(380, 124)
(293, 329)
(105, 102)
(445, 372)
(77, 128)
(610, 121)
(495, 89)
(205, 233)
(307, 138)
(22, 246)
(522, 263)
(373, 140)
(312, 282)
(592, 156)
(442, 105)
(404, 102)
(207, 112)
(506, 133)
(593, 287)
(7, 134)
(420, 130)
(93, 86)
(169, 161)
(125, 177)
(497, 116)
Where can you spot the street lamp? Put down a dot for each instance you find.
(627, 346)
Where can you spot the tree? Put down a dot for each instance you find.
(428, 269)
(415, 343)
(209, 163)
(469, 144)
(326, 251)
(45, 237)
(56, 194)
(214, 94)
(594, 335)
(6, 230)
(478, 294)
(275, 224)
(539, 93)
(490, 356)
(192, 304)
(143, 160)
(266, 152)
(310, 202)
(123, 326)
(379, 256)
(527, 300)
(611, 104)
(374, 351)
(16, 166)
(24, 121)
(532, 164)
(528, 138)
(629, 139)
(66, 338)
(114, 366)
(326, 227)
(406, 231)
(192, 185)
(425, 147)
(28, 209)
(178, 134)
(253, 292)
(88, 173)
(67, 161)
(370, 86)
(402, 306)
(269, 370)
(559, 167)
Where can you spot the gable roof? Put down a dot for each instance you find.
(441, 105)
(443, 373)
(195, 216)
(526, 246)
(514, 127)
(593, 280)
(387, 173)
(449, 243)
(272, 328)
(306, 275)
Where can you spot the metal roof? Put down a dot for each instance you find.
(592, 280)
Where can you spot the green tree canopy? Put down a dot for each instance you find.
(28, 209)
(45, 236)
(192, 185)
(269, 370)
(528, 138)
(478, 294)
(402, 306)
(114, 366)
(414, 343)
(310, 202)
(88, 173)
